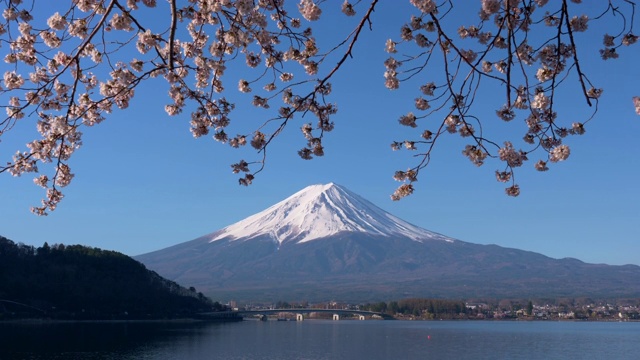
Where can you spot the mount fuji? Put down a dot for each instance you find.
(321, 211)
(326, 242)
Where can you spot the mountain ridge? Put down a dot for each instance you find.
(245, 261)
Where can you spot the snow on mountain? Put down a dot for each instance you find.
(320, 211)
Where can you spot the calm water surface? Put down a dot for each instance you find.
(323, 339)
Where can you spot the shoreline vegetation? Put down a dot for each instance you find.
(77, 282)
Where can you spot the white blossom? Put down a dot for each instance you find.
(608, 40)
(490, 6)
(285, 77)
(391, 46)
(513, 190)
(422, 104)
(422, 41)
(544, 74)
(121, 22)
(559, 153)
(408, 120)
(594, 93)
(608, 53)
(78, 28)
(347, 8)
(243, 86)
(541, 166)
(402, 191)
(309, 10)
(428, 89)
(426, 6)
(540, 101)
(57, 22)
(146, 41)
(12, 80)
(10, 14)
(475, 154)
(579, 24)
(50, 39)
(512, 157)
(629, 39)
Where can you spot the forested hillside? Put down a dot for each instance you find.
(79, 282)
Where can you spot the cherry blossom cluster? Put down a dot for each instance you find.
(87, 58)
(502, 52)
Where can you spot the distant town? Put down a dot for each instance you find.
(439, 309)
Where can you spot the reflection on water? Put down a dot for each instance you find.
(318, 339)
(91, 340)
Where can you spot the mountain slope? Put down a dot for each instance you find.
(325, 243)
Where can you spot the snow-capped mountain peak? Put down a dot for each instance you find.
(320, 211)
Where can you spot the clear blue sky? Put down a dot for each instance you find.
(143, 183)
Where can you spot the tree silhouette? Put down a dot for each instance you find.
(80, 282)
(73, 64)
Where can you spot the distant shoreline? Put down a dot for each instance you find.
(240, 319)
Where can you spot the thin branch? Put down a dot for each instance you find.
(510, 54)
(172, 31)
(575, 51)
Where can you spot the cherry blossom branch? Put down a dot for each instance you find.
(565, 14)
(172, 31)
(69, 92)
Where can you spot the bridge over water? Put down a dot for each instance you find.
(301, 312)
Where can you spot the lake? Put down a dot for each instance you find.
(322, 339)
